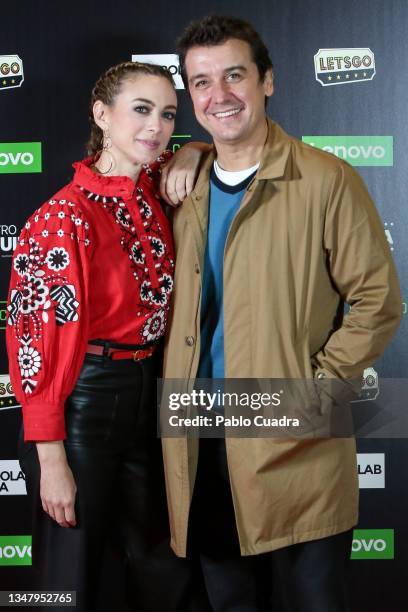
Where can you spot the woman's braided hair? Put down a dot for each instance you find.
(108, 86)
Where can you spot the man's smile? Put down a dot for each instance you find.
(227, 113)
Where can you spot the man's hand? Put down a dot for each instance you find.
(179, 174)
(57, 484)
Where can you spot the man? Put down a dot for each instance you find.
(273, 240)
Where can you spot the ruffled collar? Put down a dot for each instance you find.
(121, 186)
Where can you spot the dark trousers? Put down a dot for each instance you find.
(307, 577)
(115, 457)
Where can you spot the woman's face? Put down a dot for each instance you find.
(140, 122)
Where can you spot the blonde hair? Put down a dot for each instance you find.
(108, 86)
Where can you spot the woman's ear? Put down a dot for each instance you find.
(100, 115)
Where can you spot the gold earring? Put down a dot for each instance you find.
(107, 143)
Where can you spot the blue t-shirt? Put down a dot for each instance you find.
(223, 205)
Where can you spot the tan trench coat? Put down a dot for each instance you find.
(306, 237)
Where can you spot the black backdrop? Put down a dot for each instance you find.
(64, 46)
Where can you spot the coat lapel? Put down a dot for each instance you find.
(197, 208)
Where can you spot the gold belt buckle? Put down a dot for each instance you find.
(136, 355)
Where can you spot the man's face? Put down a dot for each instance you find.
(227, 94)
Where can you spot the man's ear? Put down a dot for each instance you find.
(268, 83)
(99, 110)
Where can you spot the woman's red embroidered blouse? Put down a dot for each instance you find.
(94, 262)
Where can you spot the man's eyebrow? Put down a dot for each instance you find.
(202, 75)
(237, 67)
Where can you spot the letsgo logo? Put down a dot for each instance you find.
(20, 157)
(373, 544)
(7, 398)
(167, 60)
(371, 470)
(356, 150)
(15, 550)
(370, 388)
(12, 481)
(11, 71)
(339, 66)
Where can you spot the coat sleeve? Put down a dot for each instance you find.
(48, 319)
(362, 270)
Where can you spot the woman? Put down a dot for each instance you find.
(91, 282)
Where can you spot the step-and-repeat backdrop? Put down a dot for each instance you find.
(341, 85)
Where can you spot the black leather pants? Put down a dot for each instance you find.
(115, 458)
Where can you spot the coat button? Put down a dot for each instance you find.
(197, 269)
(189, 340)
(321, 375)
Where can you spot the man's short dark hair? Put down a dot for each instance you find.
(216, 30)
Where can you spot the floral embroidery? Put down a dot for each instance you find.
(21, 264)
(158, 297)
(167, 283)
(34, 293)
(154, 326)
(143, 239)
(123, 217)
(145, 290)
(137, 253)
(157, 247)
(145, 209)
(29, 360)
(57, 259)
(40, 288)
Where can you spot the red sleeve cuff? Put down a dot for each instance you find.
(43, 422)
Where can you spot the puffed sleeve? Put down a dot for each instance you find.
(48, 319)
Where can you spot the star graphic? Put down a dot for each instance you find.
(347, 76)
(329, 78)
(364, 74)
(338, 77)
(13, 81)
(355, 75)
(4, 82)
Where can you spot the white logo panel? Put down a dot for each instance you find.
(12, 481)
(167, 60)
(371, 470)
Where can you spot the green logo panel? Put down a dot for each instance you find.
(373, 544)
(357, 150)
(20, 157)
(15, 550)
(3, 314)
(178, 140)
